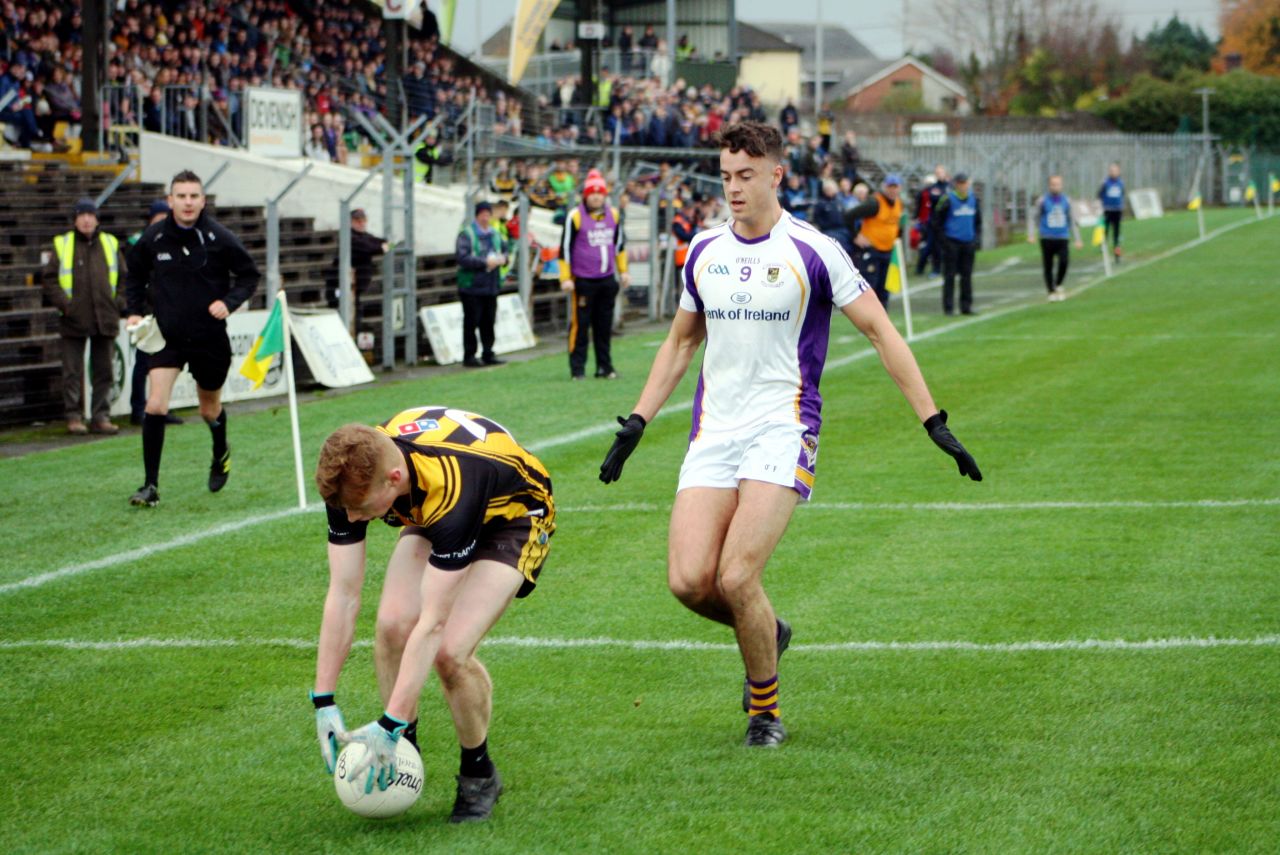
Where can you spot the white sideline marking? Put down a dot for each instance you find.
(516, 641)
(963, 506)
(147, 551)
(564, 439)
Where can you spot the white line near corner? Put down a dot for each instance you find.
(71, 570)
(644, 645)
(962, 507)
(147, 551)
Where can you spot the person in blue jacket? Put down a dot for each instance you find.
(1111, 195)
(956, 220)
(1051, 216)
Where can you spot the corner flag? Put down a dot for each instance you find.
(269, 342)
(1251, 192)
(1194, 204)
(1098, 236)
(1275, 184)
(893, 281)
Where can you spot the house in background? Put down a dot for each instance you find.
(903, 85)
(769, 64)
(840, 51)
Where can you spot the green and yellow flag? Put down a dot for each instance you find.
(1275, 184)
(1194, 204)
(1251, 192)
(893, 281)
(269, 342)
(1098, 236)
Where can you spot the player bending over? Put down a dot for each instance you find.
(759, 290)
(476, 514)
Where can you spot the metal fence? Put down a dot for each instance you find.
(1010, 170)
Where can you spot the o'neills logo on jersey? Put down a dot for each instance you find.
(747, 315)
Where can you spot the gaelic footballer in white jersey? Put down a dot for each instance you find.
(767, 306)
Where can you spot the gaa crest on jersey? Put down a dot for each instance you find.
(771, 274)
(420, 426)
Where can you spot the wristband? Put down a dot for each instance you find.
(322, 700)
(392, 725)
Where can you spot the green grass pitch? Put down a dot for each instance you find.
(1128, 438)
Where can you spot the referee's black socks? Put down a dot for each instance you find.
(152, 446)
(218, 427)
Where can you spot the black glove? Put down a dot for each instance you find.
(941, 435)
(626, 441)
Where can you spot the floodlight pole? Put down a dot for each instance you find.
(818, 60)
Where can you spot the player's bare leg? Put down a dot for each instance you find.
(763, 513)
(398, 612)
(487, 591)
(700, 518)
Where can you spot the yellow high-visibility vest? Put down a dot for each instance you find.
(65, 246)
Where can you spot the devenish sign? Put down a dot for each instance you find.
(273, 122)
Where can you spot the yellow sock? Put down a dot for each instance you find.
(764, 697)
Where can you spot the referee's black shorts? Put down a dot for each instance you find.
(207, 357)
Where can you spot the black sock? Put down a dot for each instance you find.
(411, 733)
(218, 427)
(475, 762)
(152, 447)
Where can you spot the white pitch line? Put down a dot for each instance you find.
(147, 551)
(966, 506)
(641, 645)
(564, 439)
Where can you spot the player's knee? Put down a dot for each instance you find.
(451, 662)
(689, 584)
(738, 581)
(392, 629)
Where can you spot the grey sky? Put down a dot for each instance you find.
(876, 24)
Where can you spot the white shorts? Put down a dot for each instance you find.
(784, 453)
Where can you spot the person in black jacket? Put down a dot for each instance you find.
(195, 273)
(365, 248)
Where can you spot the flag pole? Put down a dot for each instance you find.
(906, 291)
(1200, 194)
(1106, 256)
(1257, 203)
(293, 396)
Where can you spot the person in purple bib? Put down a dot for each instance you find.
(593, 266)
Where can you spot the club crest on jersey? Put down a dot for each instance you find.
(420, 426)
(771, 275)
(810, 449)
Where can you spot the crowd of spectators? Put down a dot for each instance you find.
(181, 67)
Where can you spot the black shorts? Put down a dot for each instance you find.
(208, 358)
(521, 544)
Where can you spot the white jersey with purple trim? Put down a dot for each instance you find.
(767, 304)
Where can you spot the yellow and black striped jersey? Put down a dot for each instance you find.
(465, 472)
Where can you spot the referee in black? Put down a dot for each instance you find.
(195, 273)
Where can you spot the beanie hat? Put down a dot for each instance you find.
(595, 183)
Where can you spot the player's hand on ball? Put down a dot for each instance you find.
(328, 725)
(379, 739)
(624, 443)
(942, 437)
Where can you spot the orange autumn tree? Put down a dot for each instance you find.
(1251, 32)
